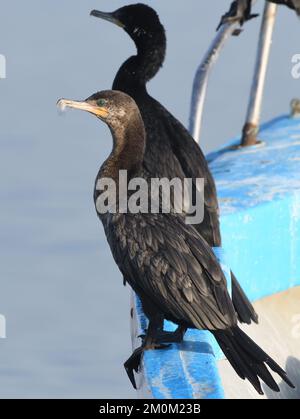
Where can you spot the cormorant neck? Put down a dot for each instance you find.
(128, 149)
(141, 68)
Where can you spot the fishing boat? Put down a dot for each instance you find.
(258, 183)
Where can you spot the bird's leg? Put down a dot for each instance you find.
(163, 336)
(149, 343)
(171, 337)
(157, 320)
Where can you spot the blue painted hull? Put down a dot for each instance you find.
(259, 193)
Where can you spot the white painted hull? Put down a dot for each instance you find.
(279, 335)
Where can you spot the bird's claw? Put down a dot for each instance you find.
(133, 363)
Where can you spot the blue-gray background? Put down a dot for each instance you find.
(67, 312)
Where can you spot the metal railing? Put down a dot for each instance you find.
(202, 77)
(200, 84)
(251, 126)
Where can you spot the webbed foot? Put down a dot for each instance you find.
(133, 363)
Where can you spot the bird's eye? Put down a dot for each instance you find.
(101, 103)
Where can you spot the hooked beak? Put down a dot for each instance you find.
(107, 16)
(83, 106)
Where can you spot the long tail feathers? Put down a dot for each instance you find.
(242, 305)
(249, 360)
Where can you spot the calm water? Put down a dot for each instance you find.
(67, 312)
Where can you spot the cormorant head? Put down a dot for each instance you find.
(120, 112)
(140, 21)
(115, 108)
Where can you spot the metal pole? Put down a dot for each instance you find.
(251, 126)
(203, 72)
(202, 76)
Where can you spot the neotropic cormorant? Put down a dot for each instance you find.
(240, 10)
(167, 262)
(171, 152)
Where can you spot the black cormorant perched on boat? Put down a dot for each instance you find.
(167, 262)
(171, 152)
(240, 10)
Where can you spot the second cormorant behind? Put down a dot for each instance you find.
(171, 152)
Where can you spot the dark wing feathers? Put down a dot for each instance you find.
(193, 164)
(172, 152)
(161, 260)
